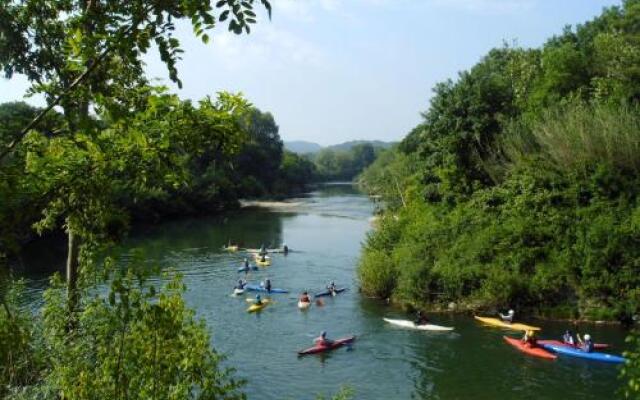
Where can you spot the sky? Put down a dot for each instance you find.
(336, 70)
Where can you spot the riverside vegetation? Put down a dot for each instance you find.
(520, 186)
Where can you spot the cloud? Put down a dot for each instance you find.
(488, 6)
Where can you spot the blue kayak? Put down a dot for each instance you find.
(328, 293)
(256, 288)
(251, 268)
(595, 356)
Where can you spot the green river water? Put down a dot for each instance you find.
(325, 229)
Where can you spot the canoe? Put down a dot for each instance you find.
(264, 263)
(258, 307)
(237, 291)
(594, 356)
(328, 293)
(251, 268)
(411, 325)
(501, 324)
(257, 288)
(303, 305)
(334, 345)
(527, 349)
(599, 346)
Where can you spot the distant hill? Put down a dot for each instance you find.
(303, 147)
(350, 144)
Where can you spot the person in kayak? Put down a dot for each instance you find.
(322, 339)
(285, 249)
(508, 317)
(245, 263)
(241, 284)
(331, 287)
(305, 297)
(530, 339)
(258, 300)
(586, 345)
(568, 338)
(263, 251)
(263, 258)
(421, 319)
(267, 285)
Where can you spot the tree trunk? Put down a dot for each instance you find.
(73, 253)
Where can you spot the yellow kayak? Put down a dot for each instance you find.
(501, 324)
(258, 307)
(231, 248)
(264, 263)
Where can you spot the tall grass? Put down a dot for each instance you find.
(577, 135)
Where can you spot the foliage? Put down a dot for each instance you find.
(519, 188)
(335, 165)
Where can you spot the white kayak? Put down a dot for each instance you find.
(238, 292)
(411, 325)
(304, 305)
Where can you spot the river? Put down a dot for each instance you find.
(325, 229)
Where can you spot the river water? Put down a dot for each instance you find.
(325, 229)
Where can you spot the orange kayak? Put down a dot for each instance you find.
(526, 348)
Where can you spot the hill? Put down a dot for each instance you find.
(302, 147)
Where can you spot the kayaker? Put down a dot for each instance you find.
(509, 317)
(285, 249)
(530, 339)
(263, 258)
(586, 345)
(246, 263)
(322, 339)
(258, 300)
(568, 338)
(332, 288)
(421, 319)
(263, 251)
(305, 297)
(267, 285)
(241, 284)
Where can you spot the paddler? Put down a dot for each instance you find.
(246, 264)
(263, 251)
(285, 249)
(305, 297)
(530, 339)
(322, 339)
(568, 338)
(586, 345)
(421, 319)
(267, 285)
(241, 284)
(331, 287)
(509, 317)
(258, 300)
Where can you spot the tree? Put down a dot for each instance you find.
(84, 54)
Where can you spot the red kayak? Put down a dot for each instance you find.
(598, 346)
(334, 345)
(532, 351)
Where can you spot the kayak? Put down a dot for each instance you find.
(532, 351)
(258, 307)
(412, 325)
(303, 305)
(231, 248)
(271, 251)
(501, 324)
(264, 263)
(334, 345)
(258, 256)
(237, 291)
(599, 346)
(328, 293)
(594, 356)
(251, 268)
(257, 288)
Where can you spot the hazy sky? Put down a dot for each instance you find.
(337, 70)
